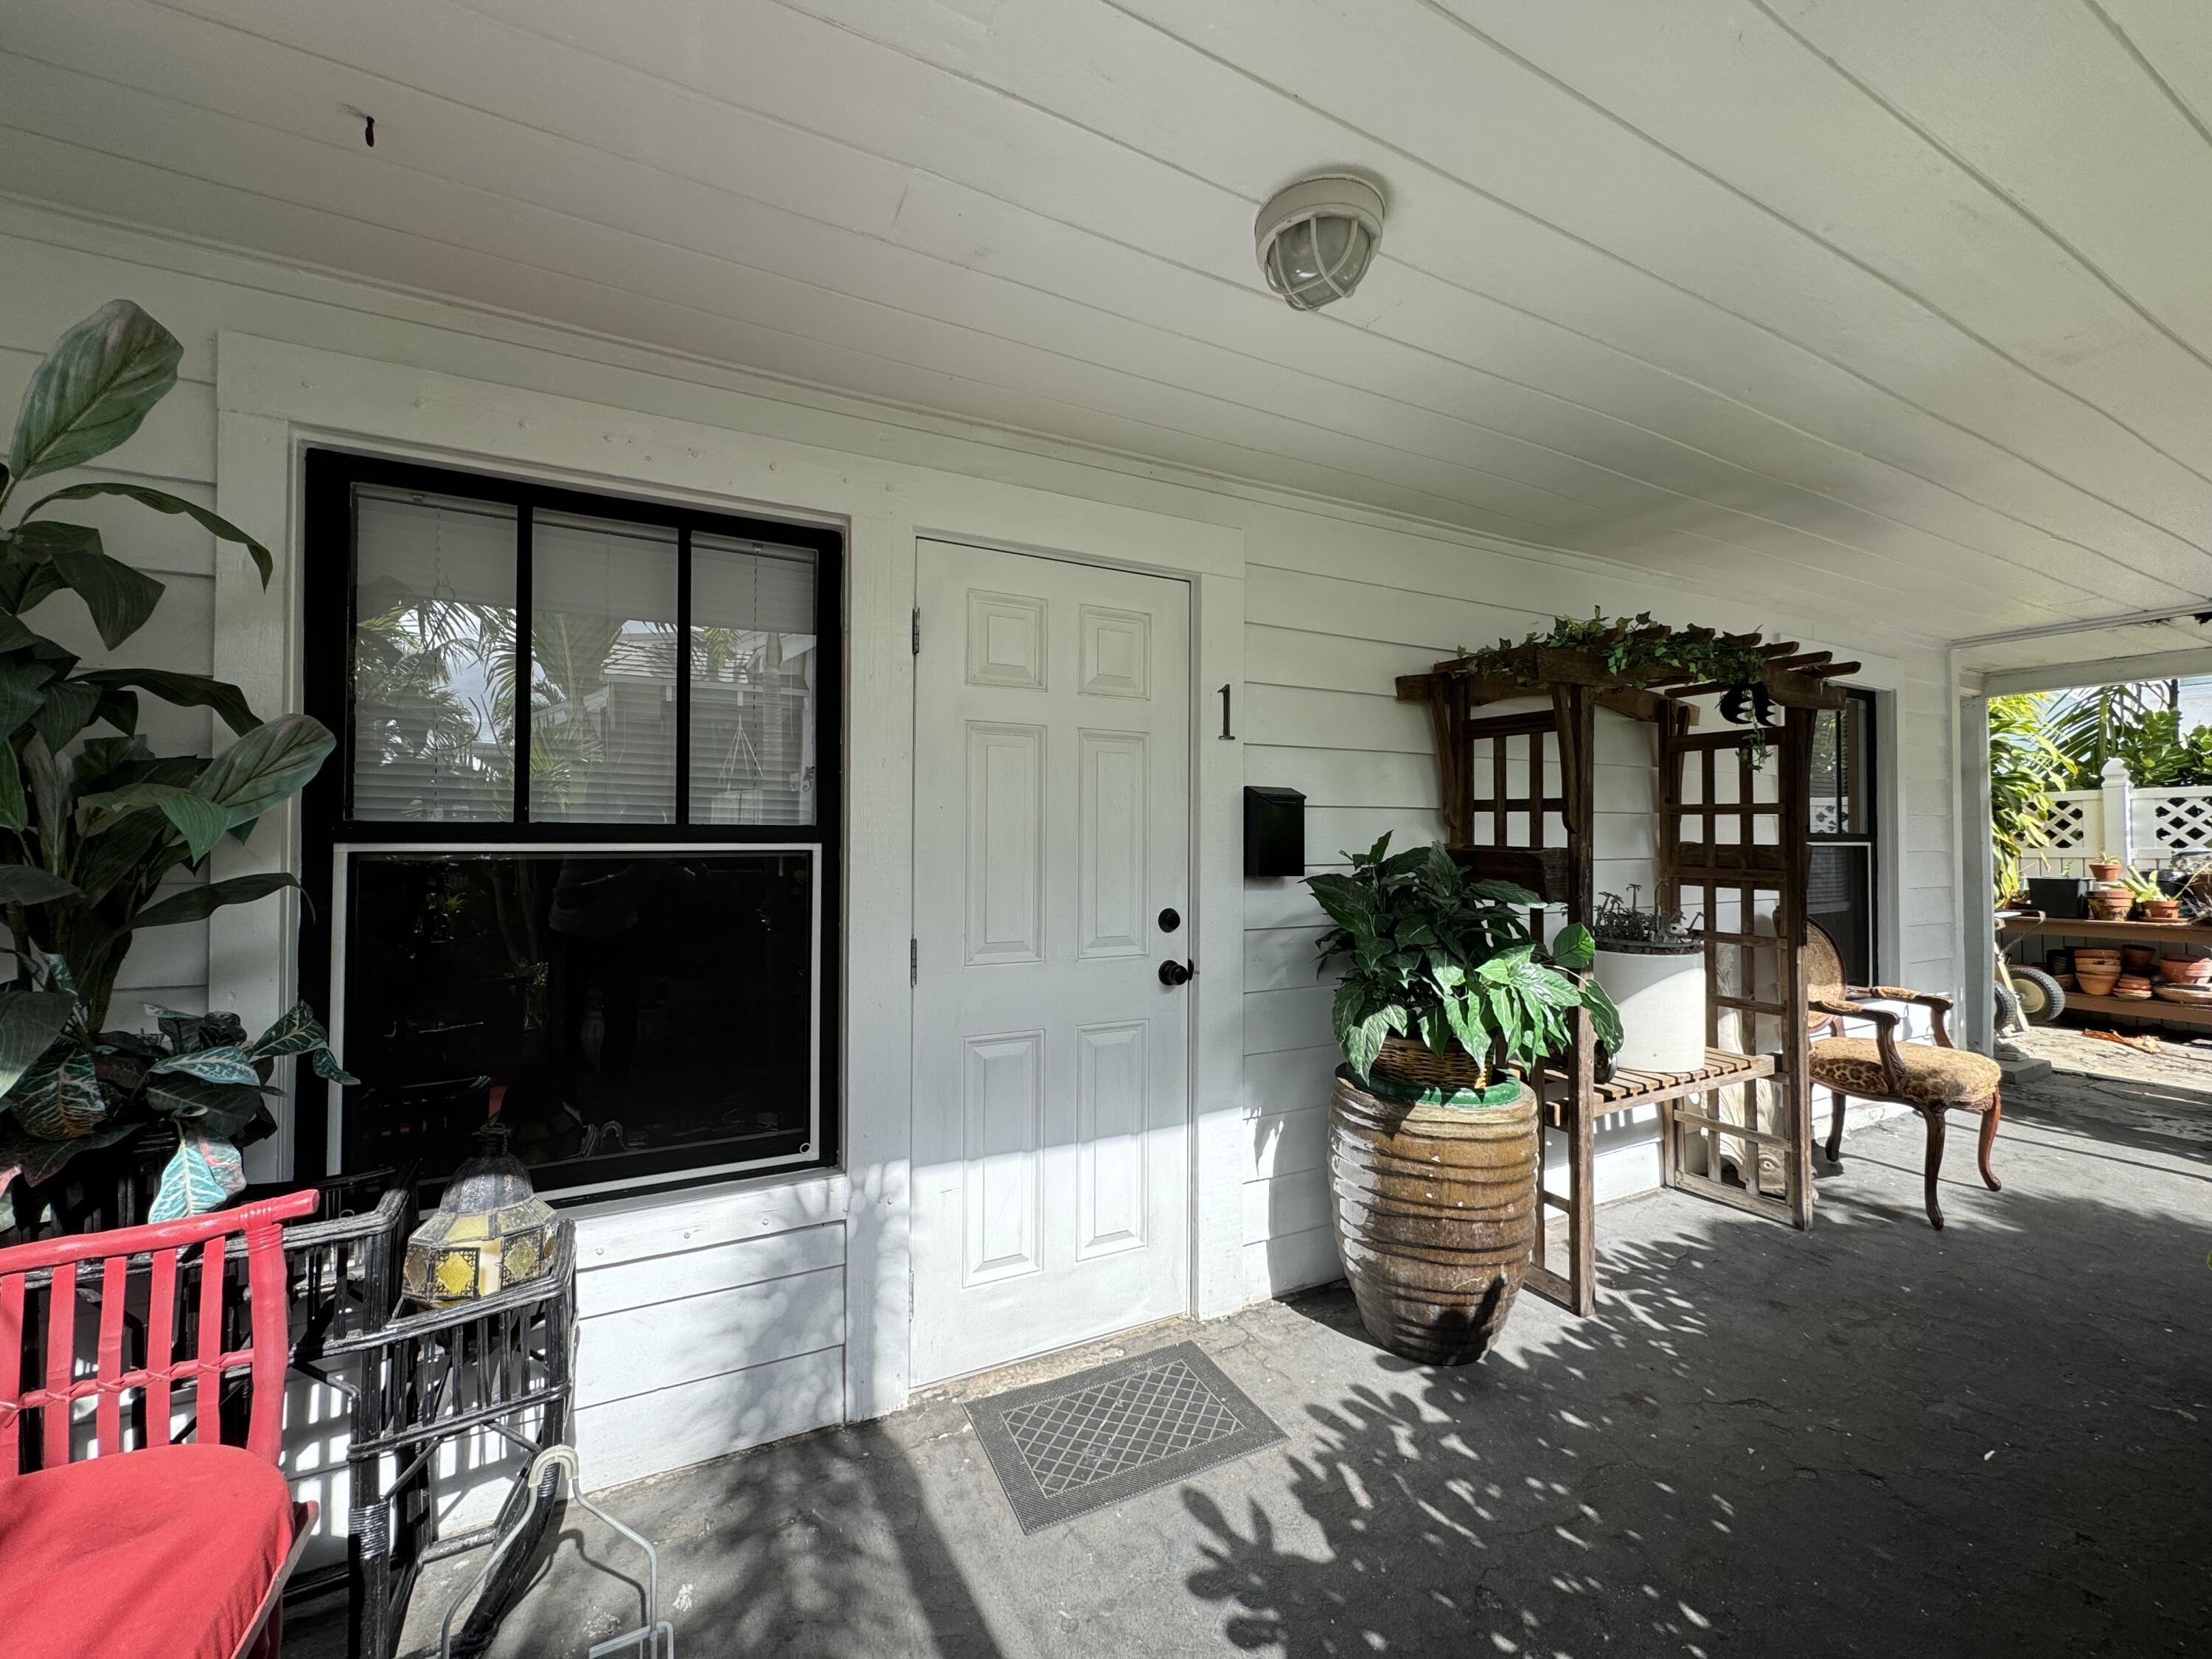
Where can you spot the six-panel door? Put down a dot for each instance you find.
(1052, 758)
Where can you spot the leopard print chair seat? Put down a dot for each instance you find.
(1933, 1079)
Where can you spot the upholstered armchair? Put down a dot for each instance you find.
(1933, 1079)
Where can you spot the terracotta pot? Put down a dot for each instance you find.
(2107, 874)
(2161, 909)
(1435, 1207)
(2185, 971)
(2109, 907)
(2138, 958)
(2094, 984)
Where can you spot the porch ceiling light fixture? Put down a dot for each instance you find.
(1315, 239)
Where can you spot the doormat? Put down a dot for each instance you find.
(1077, 1443)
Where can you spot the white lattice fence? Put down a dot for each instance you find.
(2142, 827)
(2172, 820)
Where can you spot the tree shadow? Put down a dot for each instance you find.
(1868, 1439)
(824, 1548)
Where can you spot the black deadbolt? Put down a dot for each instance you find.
(1169, 920)
(1176, 973)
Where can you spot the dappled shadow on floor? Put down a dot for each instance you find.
(1871, 1439)
(823, 1548)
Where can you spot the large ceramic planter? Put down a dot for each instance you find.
(1660, 990)
(1434, 1198)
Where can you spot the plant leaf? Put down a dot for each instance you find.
(186, 690)
(30, 1021)
(161, 501)
(226, 1064)
(26, 884)
(326, 1067)
(1575, 947)
(1604, 1015)
(196, 904)
(15, 811)
(215, 1109)
(296, 1030)
(69, 707)
(205, 1173)
(201, 822)
(57, 1097)
(119, 597)
(92, 390)
(266, 766)
(22, 682)
(35, 1160)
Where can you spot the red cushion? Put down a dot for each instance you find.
(164, 1554)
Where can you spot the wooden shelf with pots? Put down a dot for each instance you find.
(2130, 932)
(2181, 1013)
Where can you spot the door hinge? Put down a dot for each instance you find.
(914, 962)
(917, 630)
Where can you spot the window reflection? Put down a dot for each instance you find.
(433, 657)
(624, 1010)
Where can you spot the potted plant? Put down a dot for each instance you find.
(1652, 964)
(1434, 1144)
(2104, 869)
(2150, 898)
(96, 822)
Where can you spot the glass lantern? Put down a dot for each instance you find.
(489, 1232)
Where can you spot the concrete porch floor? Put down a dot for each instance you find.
(1869, 1439)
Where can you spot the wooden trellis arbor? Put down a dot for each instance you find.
(1733, 808)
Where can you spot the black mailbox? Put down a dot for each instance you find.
(1274, 831)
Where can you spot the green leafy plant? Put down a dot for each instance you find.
(1432, 955)
(2141, 886)
(2026, 770)
(1624, 922)
(1638, 650)
(92, 821)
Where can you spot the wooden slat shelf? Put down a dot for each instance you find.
(2181, 1013)
(1632, 1088)
(2133, 933)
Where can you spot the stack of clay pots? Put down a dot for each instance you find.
(2186, 979)
(2096, 969)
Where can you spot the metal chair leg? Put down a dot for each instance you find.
(654, 1638)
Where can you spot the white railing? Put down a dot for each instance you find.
(2141, 828)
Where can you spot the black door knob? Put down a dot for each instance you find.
(1176, 973)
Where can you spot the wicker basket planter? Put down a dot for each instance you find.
(1433, 1194)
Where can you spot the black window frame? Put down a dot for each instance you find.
(1867, 709)
(328, 604)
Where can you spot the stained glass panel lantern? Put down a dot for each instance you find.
(489, 1230)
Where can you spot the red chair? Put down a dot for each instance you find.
(177, 1550)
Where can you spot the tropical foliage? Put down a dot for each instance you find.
(2026, 769)
(93, 821)
(2136, 725)
(1433, 956)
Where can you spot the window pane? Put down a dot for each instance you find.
(1843, 785)
(636, 1010)
(1839, 898)
(433, 657)
(602, 671)
(753, 686)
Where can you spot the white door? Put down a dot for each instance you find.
(1052, 760)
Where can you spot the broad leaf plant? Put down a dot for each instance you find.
(100, 836)
(1451, 962)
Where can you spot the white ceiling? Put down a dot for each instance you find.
(1898, 305)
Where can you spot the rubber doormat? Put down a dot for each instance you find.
(1077, 1443)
